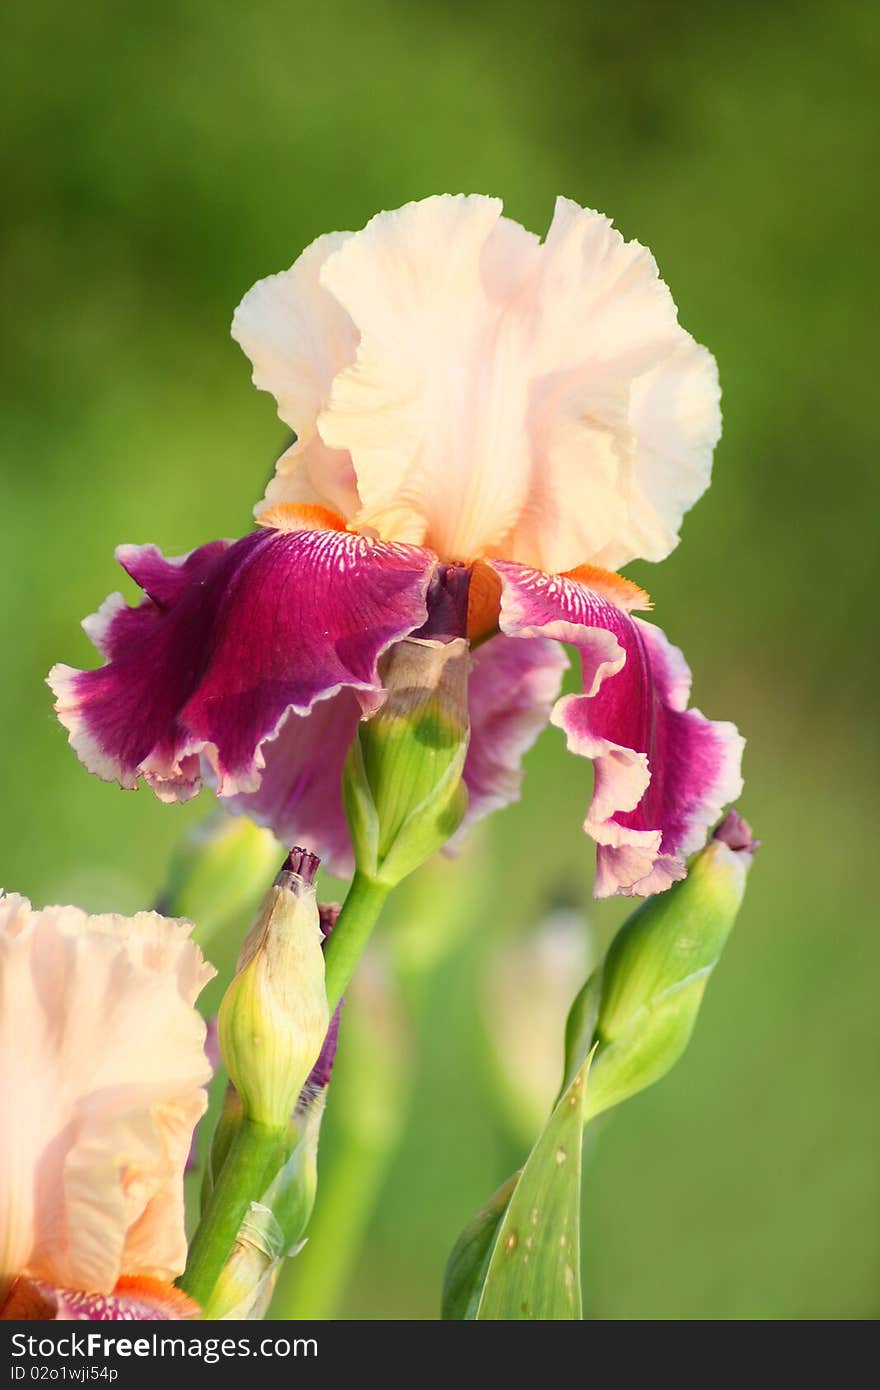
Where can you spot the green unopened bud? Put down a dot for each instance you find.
(274, 1015)
(404, 796)
(646, 997)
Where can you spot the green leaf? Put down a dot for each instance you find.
(534, 1267)
(467, 1265)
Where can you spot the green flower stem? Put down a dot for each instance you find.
(359, 915)
(243, 1179)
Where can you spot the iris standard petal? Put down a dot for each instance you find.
(298, 337)
(457, 383)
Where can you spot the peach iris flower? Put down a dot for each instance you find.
(487, 425)
(102, 1075)
(457, 383)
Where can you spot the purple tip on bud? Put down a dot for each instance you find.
(447, 602)
(736, 833)
(302, 863)
(328, 913)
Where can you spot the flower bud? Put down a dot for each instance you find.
(646, 997)
(404, 796)
(275, 1227)
(274, 1016)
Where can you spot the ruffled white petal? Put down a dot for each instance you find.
(463, 386)
(297, 337)
(437, 390)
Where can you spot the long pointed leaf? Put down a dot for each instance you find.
(534, 1269)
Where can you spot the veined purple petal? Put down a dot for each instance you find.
(228, 642)
(511, 689)
(663, 773)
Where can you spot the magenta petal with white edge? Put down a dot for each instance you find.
(300, 795)
(229, 640)
(663, 773)
(511, 689)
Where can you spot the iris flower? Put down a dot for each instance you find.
(102, 1076)
(477, 414)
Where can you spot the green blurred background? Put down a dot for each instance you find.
(158, 160)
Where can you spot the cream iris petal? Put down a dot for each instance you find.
(456, 383)
(298, 337)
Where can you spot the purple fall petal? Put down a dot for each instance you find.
(511, 689)
(228, 642)
(300, 794)
(663, 772)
